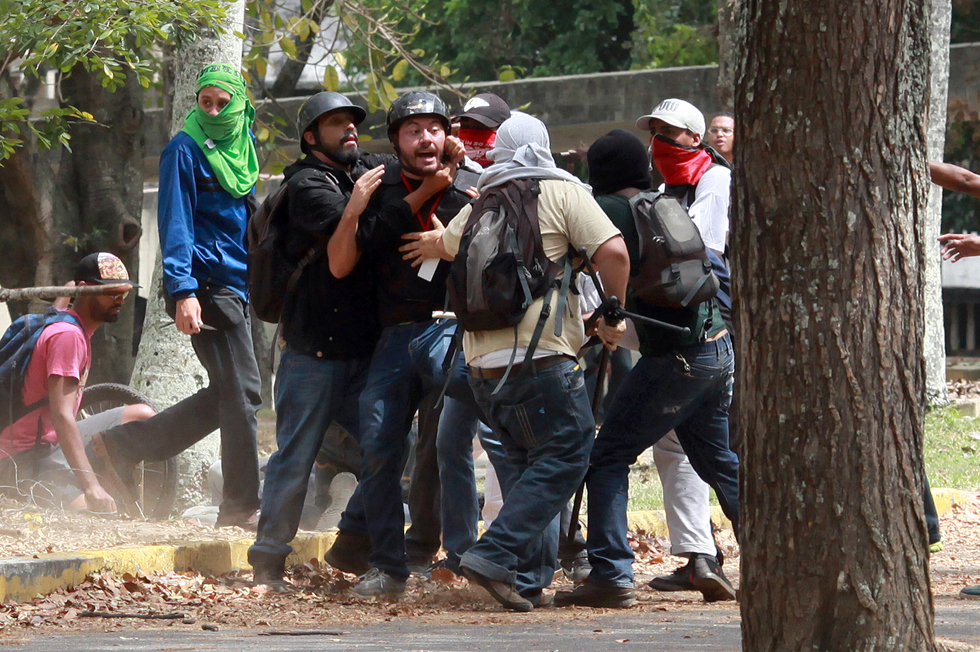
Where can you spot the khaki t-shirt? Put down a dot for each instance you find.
(568, 215)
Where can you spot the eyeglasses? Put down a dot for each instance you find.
(721, 130)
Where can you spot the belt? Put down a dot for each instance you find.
(718, 336)
(496, 373)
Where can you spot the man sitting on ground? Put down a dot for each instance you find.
(46, 454)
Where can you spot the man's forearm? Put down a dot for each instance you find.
(70, 440)
(953, 177)
(342, 251)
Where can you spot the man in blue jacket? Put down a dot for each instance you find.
(207, 173)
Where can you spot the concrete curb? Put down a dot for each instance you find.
(23, 578)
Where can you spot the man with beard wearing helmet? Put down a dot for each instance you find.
(329, 324)
(415, 195)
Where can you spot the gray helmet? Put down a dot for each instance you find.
(319, 104)
(416, 103)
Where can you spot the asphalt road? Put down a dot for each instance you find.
(711, 630)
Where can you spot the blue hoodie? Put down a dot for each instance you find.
(202, 227)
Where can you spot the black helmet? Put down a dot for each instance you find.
(416, 103)
(321, 103)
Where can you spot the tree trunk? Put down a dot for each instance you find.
(292, 69)
(727, 51)
(61, 205)
(101, 180)
(829, 208)
(26, 213)
(935, 333)
(167, 370)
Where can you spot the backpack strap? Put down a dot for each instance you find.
(519, 259)
(566, 282)
(536, 337)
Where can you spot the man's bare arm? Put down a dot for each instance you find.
(953, 177)
(342, 250)
(62, 393)
(612, 261)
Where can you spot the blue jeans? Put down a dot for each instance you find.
(546, 432)
(407, 364)
(460, 503)
(688, 392)
(310, 394)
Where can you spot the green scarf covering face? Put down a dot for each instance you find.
(224, 138)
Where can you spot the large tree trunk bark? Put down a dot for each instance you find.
(26, 213)
(829, 255)
(167, 370)
(728, 45)
(101, 180)
(935, 333)
(60, 205)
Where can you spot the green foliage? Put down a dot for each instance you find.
(965, 24)
(506, 39)
(671, 33)
(961, 212)
(108, 39)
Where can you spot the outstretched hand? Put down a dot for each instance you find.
(423, 245)
(959, 245)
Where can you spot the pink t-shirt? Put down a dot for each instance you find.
(62, 350)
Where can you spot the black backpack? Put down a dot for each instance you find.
(16, 347)
(501, 267)
(674, 270)
(271, 275)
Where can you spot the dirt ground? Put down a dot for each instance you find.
(322, 599)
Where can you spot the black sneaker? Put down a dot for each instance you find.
(420, 566)
(971, 593)
(593, 595)
(679, 580)
(577, 569)
(350, 553)
(710, 580)
(445, 564)
(502, 592)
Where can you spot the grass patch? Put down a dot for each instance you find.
(952, 456)
(952, 450)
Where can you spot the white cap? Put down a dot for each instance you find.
(676, 113)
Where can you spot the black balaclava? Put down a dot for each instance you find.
(618, 160)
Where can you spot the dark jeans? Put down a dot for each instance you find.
(422, 538)
(229, 402)
(310, 394)
(620, 363)
(459, 424)
(688, 392)
(545, 427)
(406, 365)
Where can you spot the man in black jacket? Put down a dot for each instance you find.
(415, 196)
(330, 324)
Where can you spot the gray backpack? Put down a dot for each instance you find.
(674, 270)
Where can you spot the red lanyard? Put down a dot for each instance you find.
(426, 223)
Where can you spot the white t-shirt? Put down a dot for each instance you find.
(710, 208)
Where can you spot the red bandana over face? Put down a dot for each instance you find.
(477, 143)
(679, 165)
